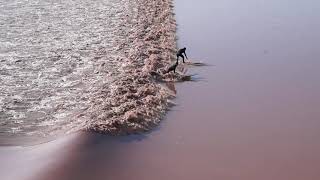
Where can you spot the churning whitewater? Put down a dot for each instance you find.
(76, 64)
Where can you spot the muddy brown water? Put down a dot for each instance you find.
(253, 114)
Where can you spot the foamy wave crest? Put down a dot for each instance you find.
(83, 65)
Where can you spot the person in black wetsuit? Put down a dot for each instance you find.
(182, 53)
(172, 68)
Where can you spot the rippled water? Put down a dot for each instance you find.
(63, 64)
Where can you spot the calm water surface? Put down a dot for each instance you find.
(253, 115)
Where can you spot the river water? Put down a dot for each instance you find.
(75, 65)
(252, 113)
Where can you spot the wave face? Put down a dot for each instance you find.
(77, 64)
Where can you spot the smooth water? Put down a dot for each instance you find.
(253, 114)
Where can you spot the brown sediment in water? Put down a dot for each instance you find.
(136, 101)
(255, 117)
(104, 75)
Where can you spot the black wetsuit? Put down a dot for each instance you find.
(181, 53)
(173, 68)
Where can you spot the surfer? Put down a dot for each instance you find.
(173, 67)
(182, 53)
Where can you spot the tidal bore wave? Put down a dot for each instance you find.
(84, 65)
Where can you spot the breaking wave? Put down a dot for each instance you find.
(76, 64)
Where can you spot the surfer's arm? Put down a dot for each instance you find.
(185, 55)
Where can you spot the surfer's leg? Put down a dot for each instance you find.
(182, 58)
